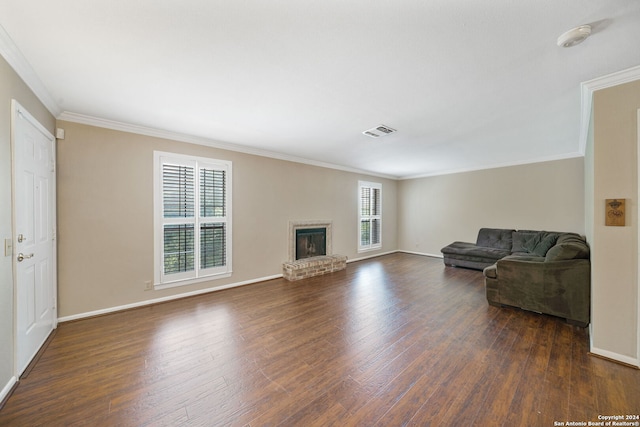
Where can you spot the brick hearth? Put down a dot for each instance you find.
(315, 266)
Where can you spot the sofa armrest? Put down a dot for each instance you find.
(520, 282)
(559, 288)
(568, 289)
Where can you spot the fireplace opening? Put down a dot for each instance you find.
(311, 242)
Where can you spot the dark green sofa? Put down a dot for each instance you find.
(491, 245)
(547, 273)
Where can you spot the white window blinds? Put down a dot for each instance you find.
(213, 232)
(370, 216)
(192, 218)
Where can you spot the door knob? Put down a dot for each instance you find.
(22, 257)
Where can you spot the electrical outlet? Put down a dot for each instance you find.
(148, 286)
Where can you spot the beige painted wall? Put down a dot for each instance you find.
(615, 249)
(11, 87)
(435, 211)
(105, 215)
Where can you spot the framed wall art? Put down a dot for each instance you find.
(614, 212)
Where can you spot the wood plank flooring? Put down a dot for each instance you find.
(395, 340)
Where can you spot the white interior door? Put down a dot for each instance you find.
(34, 234)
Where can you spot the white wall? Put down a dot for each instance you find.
(613, 157)
(436, 211)
(105, 215)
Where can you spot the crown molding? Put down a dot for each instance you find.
(587, 88)
(564, 156)
(175, 136)
(21, 66)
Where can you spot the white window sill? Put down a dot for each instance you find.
(377, 248)
(186, 282)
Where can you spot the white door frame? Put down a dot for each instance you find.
(637, 224)
(16, 111)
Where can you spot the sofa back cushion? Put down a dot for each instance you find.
(568, 246)
(540, 243)
(497, 238)
(520, 238)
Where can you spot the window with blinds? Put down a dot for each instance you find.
(369, 215)
(192, 219)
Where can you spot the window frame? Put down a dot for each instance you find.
(162, 280)
(369, 217)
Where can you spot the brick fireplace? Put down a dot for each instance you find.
(310, 250)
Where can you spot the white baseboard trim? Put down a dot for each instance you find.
(370, 256)
(164, 299)
(205, 291)
(615, 356)
(7, 388)
(423, 254)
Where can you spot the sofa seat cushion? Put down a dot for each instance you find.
(491, 272)
(525, 257)
(521, 254)
(465, 250)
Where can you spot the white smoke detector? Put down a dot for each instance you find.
(574, 36)
(378, 131)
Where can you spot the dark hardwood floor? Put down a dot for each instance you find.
(395, 340)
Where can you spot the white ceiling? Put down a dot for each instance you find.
(468, 84)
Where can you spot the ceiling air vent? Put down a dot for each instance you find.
(379, 131)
